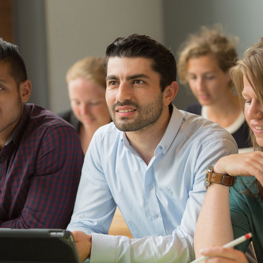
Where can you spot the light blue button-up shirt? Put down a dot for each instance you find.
(160, 202)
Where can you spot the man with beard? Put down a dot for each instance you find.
(40, 154)
(150, 162)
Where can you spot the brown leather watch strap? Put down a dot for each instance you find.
(217, 178)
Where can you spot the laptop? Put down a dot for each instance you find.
(37, 245)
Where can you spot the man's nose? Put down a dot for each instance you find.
(124, 92)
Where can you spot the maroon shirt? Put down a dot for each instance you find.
(39, 172)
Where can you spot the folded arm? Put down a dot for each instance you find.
(51, 190)
(214, 226)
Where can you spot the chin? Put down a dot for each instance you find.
(260, 141)
(205, 102)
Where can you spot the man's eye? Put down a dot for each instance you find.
(138, 81)
(112, 83)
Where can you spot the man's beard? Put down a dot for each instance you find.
(146, 115)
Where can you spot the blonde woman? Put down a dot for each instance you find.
(229, 213)
(89, 111)
(205, 59)
(86, 88)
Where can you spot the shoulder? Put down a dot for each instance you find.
(65, 114)
(105, 143)
(41, 121)
(108, 132)
(70, 117)
(198, 127)
(194, 108)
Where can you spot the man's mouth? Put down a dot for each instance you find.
(124, 111)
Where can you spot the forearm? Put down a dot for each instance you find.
(175, 248)
(17, 223)
(41, 218)
(214, 223)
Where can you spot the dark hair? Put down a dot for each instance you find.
(9, 54)
(163, 61)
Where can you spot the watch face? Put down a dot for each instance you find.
(206, 181)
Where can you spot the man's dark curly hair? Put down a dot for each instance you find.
(9, 54)
(133, 46)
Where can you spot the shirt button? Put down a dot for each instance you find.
(156, 216)
(2, 159)
(150, 187)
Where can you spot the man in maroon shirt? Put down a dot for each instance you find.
(40, 154)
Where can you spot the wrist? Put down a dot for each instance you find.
(220, 166)
(217, 178)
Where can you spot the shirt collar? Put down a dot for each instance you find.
(11, 137)
(171, 131)
(168, 137)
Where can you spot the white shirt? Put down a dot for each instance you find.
(159, 202)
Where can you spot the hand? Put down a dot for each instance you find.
(223, 255)
(83, 244)
(243, 164)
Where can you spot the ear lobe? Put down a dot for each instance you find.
(170, 93)
(25, 90)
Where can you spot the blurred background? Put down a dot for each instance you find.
(53, 34)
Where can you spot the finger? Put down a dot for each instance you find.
(245, 164)
(75, 235)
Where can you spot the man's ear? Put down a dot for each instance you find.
(25, 90)
(170, 93)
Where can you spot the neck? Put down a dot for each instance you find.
(225, 112)
(86, 134)
(146, 140)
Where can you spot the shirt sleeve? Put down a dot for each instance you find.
(53, 186)
(239, 214)
(95, 207)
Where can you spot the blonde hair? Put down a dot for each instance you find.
(91, 69)
(207, 41)
(251, 67)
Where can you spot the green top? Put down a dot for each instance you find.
(247, 214)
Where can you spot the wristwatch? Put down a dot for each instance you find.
(213, 177)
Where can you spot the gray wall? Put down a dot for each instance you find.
(53, 34)
(30, 36)
(65, 31)
(78, 28)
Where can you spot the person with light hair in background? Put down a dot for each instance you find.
(86, 88)
(231, 213)
(205, 59)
